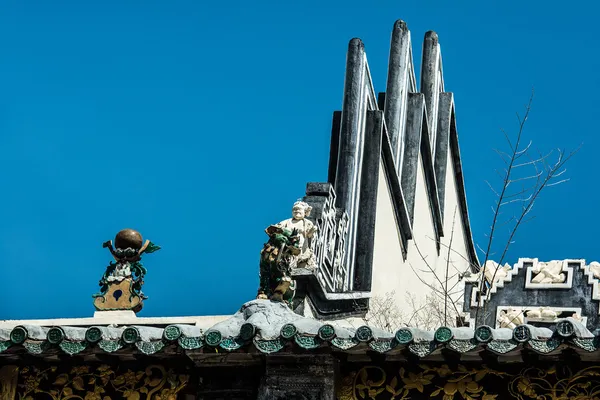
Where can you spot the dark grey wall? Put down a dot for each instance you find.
(514, 294)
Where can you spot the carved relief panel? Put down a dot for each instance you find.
(103, 382)
(8, 382)
(470, 382)
(331, 235)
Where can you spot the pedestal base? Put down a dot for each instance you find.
(115, 315)
(119, 296)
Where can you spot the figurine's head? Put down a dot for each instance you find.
(301, 210)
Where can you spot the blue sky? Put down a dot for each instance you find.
(177, 118)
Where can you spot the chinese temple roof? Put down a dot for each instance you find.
(265, 327)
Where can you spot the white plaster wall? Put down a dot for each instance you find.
(387, 252)
(410, 278)
(458, 255)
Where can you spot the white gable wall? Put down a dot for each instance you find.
(411, 277)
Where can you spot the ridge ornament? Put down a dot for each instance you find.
(121, 284)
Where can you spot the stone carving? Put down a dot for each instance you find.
(495, 273)
(542, 313)
(306, 231)
(510, 318)
(548, 272)
(121, 284)
(595, 269)
(277, 259)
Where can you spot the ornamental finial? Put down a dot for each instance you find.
(121, 284)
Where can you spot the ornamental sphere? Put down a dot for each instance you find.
(128, 238)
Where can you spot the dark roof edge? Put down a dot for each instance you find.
(325, 305)
(462, 196)
(242, 336)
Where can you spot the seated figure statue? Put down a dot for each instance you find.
(276, 260)
(289, 247)
(306, 231)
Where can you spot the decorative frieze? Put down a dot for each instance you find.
(424, 381)
(513, 316)
(384, 382)
(99, 382)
